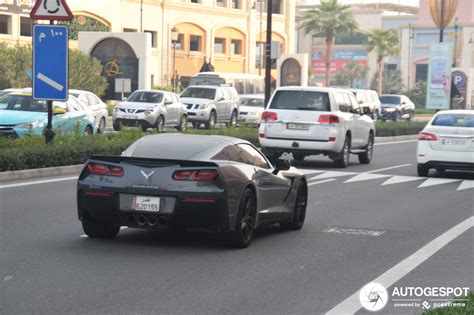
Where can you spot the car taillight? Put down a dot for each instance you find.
(426, 136)
(105, 170)
(269, 116)
(328, 119)
(261, 135)
(198, 175)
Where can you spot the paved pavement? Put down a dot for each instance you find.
(362, 222)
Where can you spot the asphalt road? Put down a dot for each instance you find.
(361, 222)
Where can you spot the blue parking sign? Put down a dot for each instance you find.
(50, 62)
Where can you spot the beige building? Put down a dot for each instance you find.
(227, 33)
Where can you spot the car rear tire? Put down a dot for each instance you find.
(375, 115)
(412, 116)
(100, 230)
(342, 159)
(183, 123)
(246, 220)
(366, 157)
(116, 126)
(422, 170)
(298, 156)
(211, 123)
(299, 210)
(102, 125)
(196, 125)
(160, 124)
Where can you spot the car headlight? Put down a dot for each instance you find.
(116, 108)
(148, 112)
(202, 106)
(30, 125)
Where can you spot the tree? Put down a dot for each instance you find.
(384, 43)
(418, 94)
(85, 73)
(351, 72)
(329, 19)
(392, 82)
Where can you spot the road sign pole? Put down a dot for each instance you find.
(49, 132)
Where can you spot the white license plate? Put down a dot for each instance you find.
(145, 203)
(130, 117)
(298, 126)
(454, 142)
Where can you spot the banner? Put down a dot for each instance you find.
(438, 94)
(340, 57)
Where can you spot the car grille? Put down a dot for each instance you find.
(8, 131)
(189, 106)
(243, 113)
(132, 111)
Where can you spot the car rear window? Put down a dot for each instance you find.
(199, 93)
(454, 120)
(385, 99)
(301, 100)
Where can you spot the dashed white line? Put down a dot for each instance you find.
(396, 142)
(352, 304)
(437, 181)
(388, 168)
(321, 181)
(466, 184)
(37, 182)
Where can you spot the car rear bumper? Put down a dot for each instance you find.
(293, 145)
(207, 213)
(425, 154)
(449, 165)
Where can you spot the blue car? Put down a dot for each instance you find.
(21, 116)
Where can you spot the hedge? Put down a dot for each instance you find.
(31, 152)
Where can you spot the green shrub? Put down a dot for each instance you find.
(402, 128)
(468, 307)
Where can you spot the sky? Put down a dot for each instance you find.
(404, 2)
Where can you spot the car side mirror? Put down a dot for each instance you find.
(221, 99)
(281, 165)
(404, 103)
(59, 111)
(168, 102)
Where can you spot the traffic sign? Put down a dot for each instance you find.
(50, 62)
(51, 10)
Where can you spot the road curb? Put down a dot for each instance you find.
(40, 173)
(76, 169)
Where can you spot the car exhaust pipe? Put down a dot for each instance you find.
(141, 220)
(132, 219)
(161, 220)
(151, 220)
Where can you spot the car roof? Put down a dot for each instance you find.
(214, 87)
(152, 91)
(456, 111)
(392, 95)
(256, 96)
(311, 89)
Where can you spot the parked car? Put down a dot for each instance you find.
(8, 91)
(215, 183)
(210, 105)
(151, 109)
(396, 107)
(310, 120)
(369, 102)
(447, 142)
(22, 116)
(94, 103)
(251, 108)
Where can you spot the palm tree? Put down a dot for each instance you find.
(351, 72)
(384, 43)
(330, 19)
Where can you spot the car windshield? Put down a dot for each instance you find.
(253, 102)
(206, 80)
(385, 99)
(145, 97)
(199, 93)
(22, 103)
(454, 120)
(75, 94)
(301, 100)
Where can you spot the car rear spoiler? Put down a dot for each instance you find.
(149, 161)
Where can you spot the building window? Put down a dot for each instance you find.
(220, 3)
(179, 42)
(219, 45)
(195, 43)
(236, 47)
(5, 24)
(153, 38)
(25, 26)
(195, 1)
(130, 30)
(236, 4)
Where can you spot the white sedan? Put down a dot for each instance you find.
(251, 108)
(95, 104)
(447, 142)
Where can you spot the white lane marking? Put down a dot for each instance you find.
(352, 304)
(38, 182)
(307, 171)
(388, 168)
(365, 176)
(350, 231)
(396, 142)
(401, 179)
(466, 184)
(50, 82)
(436, 181)
(85, 236)
(321, 181)
(333, 174)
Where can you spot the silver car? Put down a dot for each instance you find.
(209, 105)
(151, 109)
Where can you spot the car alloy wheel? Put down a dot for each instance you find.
(246, 221)
(342, 160)
(299, 211)
(183, 123)
(366, 157)
(233, 119)
(101, 128)
(160, 124)
(211, 124)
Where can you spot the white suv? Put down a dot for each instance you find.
(309, 121)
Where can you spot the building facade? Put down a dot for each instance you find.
(227, 33)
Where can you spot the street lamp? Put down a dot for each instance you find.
(174, 41)
(456, 50)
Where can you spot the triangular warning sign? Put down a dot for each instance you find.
(51, 10)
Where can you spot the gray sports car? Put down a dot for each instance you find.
(216, 183)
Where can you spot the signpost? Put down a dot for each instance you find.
(439, 76)
(50, 56)
(123, 85)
